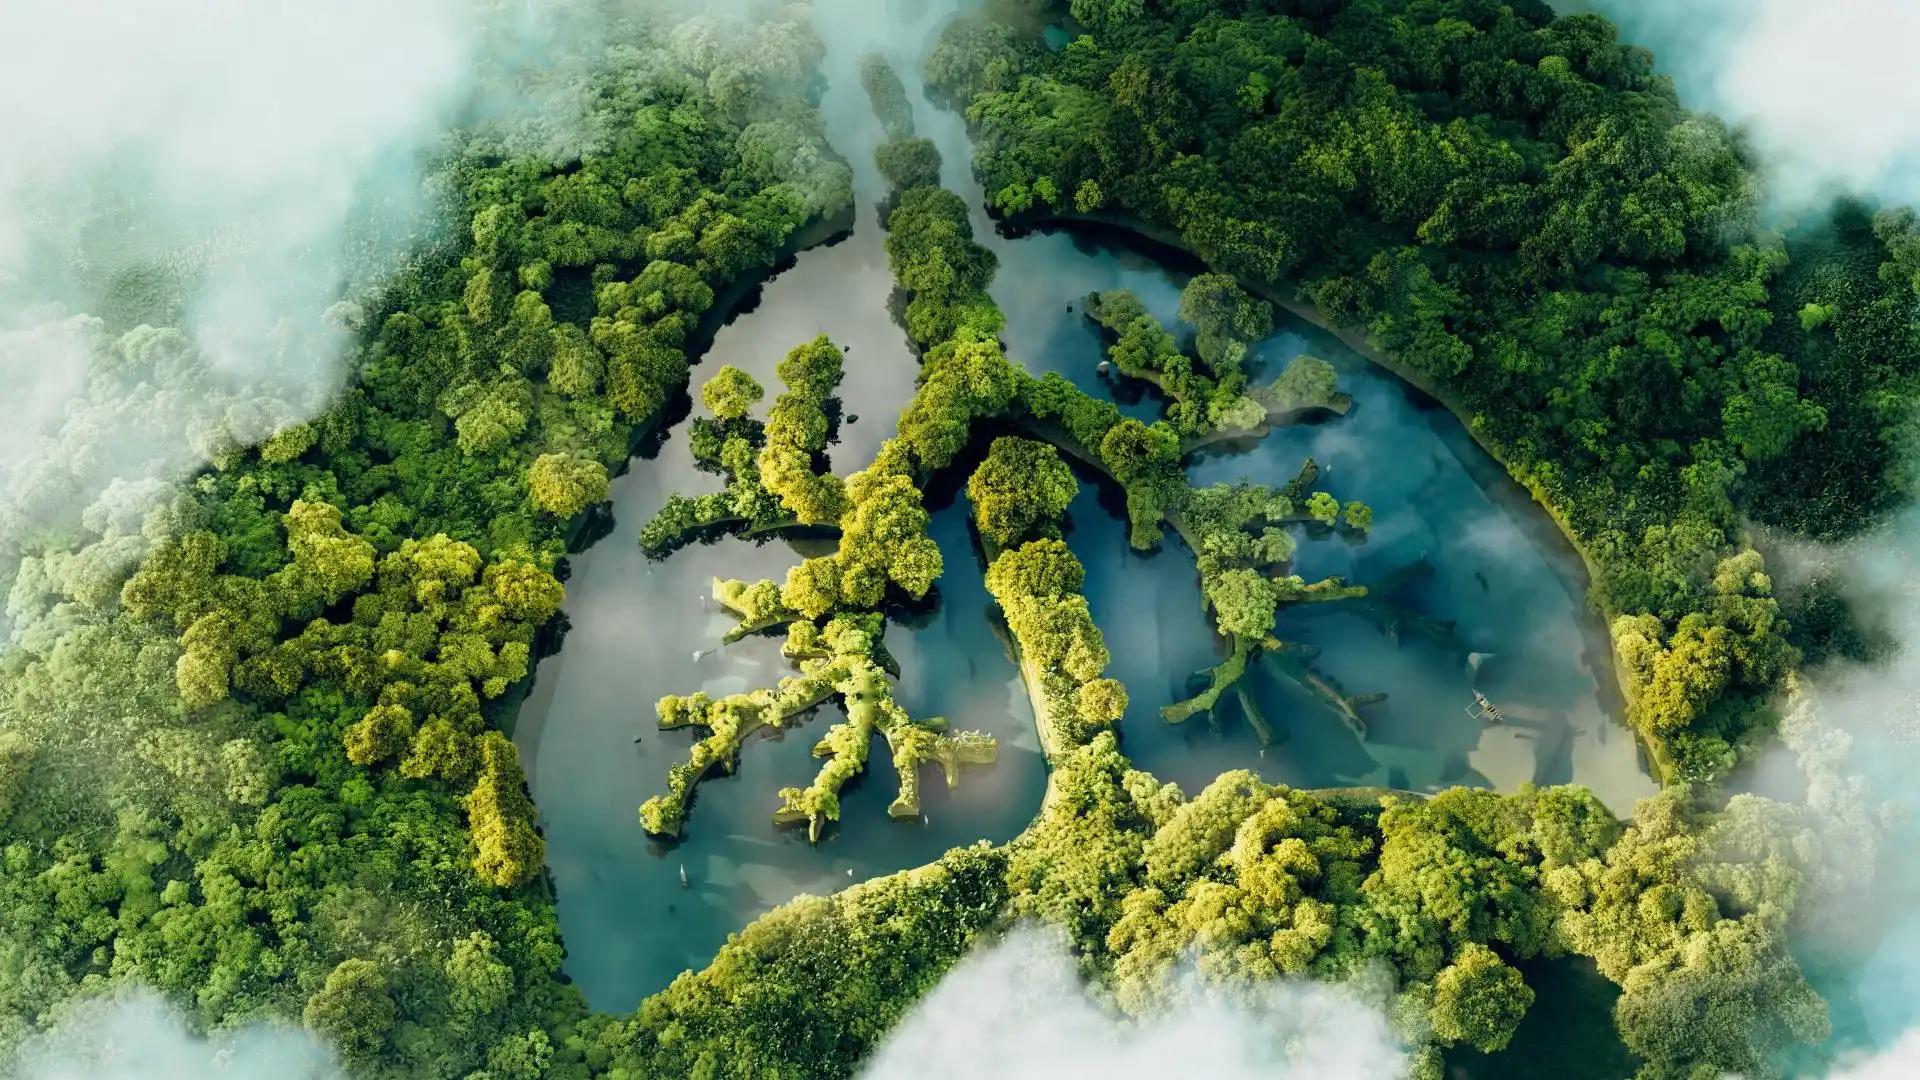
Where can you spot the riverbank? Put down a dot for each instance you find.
(520, 704)
(1600, 645)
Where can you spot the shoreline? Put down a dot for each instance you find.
(525, 719)
(1594, 627)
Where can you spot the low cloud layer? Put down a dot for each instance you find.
(1016, 1011)
(225, 169)
(1826, 89)
(139, 1038)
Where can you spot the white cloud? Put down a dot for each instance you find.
(1016, 1011)
(138, 1038)
(1827, 88)
(230, 159)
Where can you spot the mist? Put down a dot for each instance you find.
(1824, 90)
(179, 227)
(1015, 1010)
(138, 1037)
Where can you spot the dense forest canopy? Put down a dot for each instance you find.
(251, 745)
(1515, 211)
(262, 772)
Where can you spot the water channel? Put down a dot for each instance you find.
(643, 629)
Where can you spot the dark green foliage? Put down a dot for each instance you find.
(1516, 211)
(888, 95)
(808, 990)
(264, 782)
(931, 248)
(908, 163)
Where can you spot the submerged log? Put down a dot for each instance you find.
(1220, 677)
(1287, 664)
(1255, 718)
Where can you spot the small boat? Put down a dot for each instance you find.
(1482, 709)
(683, 875)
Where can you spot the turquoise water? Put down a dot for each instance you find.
(643, 629)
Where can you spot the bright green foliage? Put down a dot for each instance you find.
(963, 379)
(1206, 394)
(730, 394)
(1709, 987)
(1251, 883)
(385, 732)
(931, 249)
(501, 816)
(884, 540)
(563, 485)
(1037, 586)
(1135, 451)
(1243, 601)
(1053, 400)
(1692, 684)
(796, 433)
(1479, 1000)
(288, 444)
(479, 984)
(1147, 460)
(1076, 863)
(1238, 538)
(1286, 868)
(1238, 526)
(1572, 262)
(353, 1011)
(732, 445)
(810, 989)
(845, 659)
(1021, 485)
(263, 784)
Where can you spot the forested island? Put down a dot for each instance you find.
(257, 746)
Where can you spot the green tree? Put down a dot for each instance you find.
(1479, 1000)
(353, 1011)
(1227, 318)
(908, 163)
(385, 732)
(1244, 601)
(16, 763)
(731, 393)
(1020, 485)
(563, 485)
(479, 983)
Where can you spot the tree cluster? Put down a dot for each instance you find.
(248, 753)
(1517, 213)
